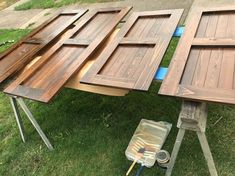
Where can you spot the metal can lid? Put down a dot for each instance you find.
(162, 156)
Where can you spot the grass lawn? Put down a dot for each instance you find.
(37, 4)
(91, 132)
(10, 35)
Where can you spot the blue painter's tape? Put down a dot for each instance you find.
(161, 73)
(179, 31)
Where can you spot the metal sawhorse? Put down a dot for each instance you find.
(14, 103)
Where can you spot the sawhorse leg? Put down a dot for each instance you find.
(14, 101)
(192, 117)
(18, 118)
(175, 151)
(207, 153)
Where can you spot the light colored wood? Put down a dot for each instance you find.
(175, 151)
(196, 93)
(213, 42)
(207, 153)
(193, 117)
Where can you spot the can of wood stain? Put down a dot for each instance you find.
(163, 158)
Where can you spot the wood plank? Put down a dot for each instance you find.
(201, 68)
(150, 69)
(202, 26)
(213, 42)
(195, 53)
(39, 34)
(230, 28)
(213, 71)
(212, 25)
(227, 69)
(35, 41)
(61, 61)
(206, 94)
(45, 76)
(190, 66)
(77, 42)
(74, 82)
(8, 64)
(136, 41)
(204, 62)
(178, 62)
(132, 59)
(221, 30)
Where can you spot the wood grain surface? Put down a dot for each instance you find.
(22, 52)
(43, 80)
(133, 57)
(204, 63)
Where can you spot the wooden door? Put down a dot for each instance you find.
(22, 52)
(204, 63)
(133, 57)
(49, 74)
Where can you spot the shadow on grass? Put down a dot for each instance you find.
(91, 132)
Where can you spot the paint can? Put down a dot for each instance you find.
(163, 158)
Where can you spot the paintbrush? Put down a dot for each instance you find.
(139, 155)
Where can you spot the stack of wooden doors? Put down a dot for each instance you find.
(62, 46)
(202, 68)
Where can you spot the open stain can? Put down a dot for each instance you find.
(163, 158)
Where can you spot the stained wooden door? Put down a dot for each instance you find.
(204, 63)
(133, 57)
(19, 54)
(48, 75)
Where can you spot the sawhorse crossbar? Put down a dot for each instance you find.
(193, 116)
(14, 102)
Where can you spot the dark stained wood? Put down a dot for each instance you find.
(77, 42)
(22, 52)
(47, 76)
(133, 57)
(203, 65)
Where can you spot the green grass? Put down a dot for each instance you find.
(169, 52)
(37, 4)
(9, 35)
(91, 132)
